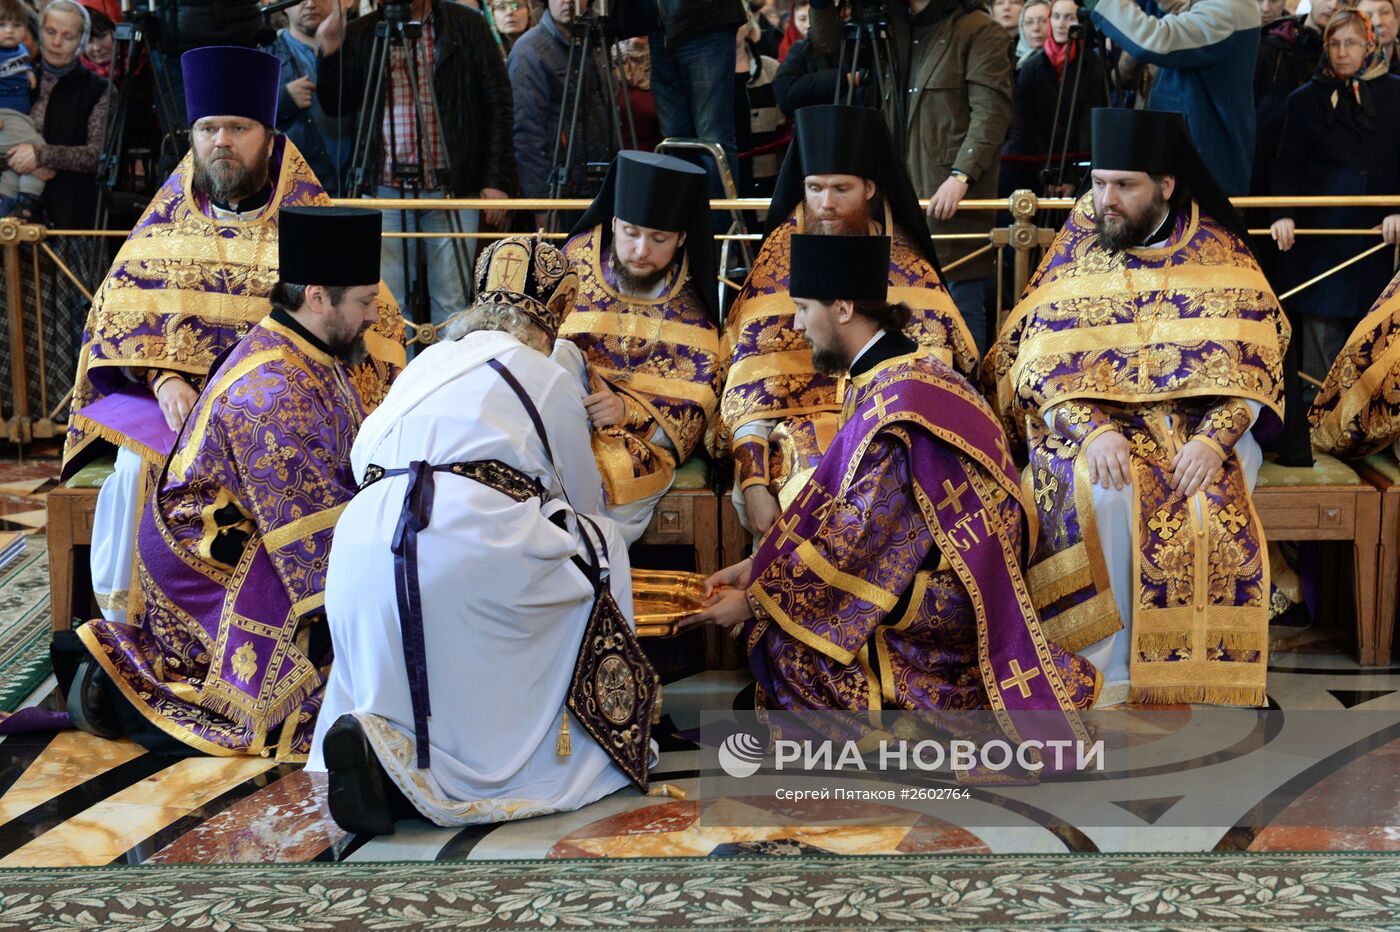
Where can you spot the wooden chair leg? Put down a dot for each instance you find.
(1387, 573)
(707, 536)
(1366, 562)
(734, 540)
(61, 556)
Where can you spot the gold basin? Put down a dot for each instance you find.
(661, 599)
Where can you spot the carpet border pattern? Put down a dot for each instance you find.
(28, 662)
(1220, 891)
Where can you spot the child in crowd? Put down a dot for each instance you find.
(19, 194)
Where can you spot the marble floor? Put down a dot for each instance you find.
(67, 798)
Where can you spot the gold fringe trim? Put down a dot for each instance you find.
(234, 707)
(1238, 640)
(118, 439)
(1153, 642)
(1049, 591)
(656, 709)
(564, 746)
(1208, 695)
(1086, 623)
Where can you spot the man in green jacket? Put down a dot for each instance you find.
(950, 110)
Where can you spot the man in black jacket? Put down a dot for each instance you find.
(462, 150)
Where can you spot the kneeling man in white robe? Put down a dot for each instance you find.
(458, 616)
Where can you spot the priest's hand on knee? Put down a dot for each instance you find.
(1107, 456)
(604, 406)
(737, 576)
(761, 506)
(177, 398)
(1195, 466)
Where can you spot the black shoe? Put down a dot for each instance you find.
(359, 788)
(88, 705)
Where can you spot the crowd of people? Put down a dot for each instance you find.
(1280, 102)
(1051, 518)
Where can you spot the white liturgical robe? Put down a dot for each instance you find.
(504, 606)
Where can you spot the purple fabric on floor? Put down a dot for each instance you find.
(26, 720)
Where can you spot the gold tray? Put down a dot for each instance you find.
(662, 599)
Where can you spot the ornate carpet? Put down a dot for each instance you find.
(24, 624)
(1219, 891)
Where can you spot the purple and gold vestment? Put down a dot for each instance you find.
(232, 553)
(1165, 345)
(1357, 412)
(893, 581)
(185, 287)
(661, 356)
(768, 366)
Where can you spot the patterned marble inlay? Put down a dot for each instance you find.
(72, 758)
(107, 830)
(731, 826)
(286, 821)
(1333, 802)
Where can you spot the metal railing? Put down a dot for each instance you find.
(24, 421)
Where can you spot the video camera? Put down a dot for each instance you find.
(869, 11)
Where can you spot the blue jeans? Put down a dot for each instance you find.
(693, 85)
(450, 261)
(971, 298)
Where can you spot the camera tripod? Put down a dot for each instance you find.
(398, 32)
(867, 33)
(590, 44)
(1084, 41)
(131, 48)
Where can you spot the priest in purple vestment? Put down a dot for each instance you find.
(778, 413)
(191, 279)
(894, 579)
(228, 650)
(641, 335)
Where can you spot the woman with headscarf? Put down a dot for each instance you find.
(798, 23)
(69, 110)
(1340, 137)
(1053, 96)
(1035, 26)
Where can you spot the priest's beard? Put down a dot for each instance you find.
(829, 360)
(346, 341)
(1131, 229)
(831, 223)
(230, 181)
(633, 283)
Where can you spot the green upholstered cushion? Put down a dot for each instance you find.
(1385, 464)
(1325, 470)
(694, 473)
(93, 474)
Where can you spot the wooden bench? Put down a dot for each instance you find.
(688, 515)
(69, 531)
(1383, 472)
(1330, 502)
